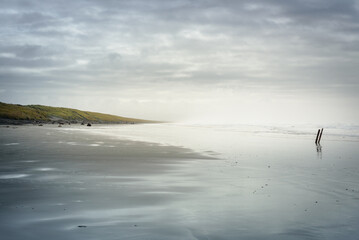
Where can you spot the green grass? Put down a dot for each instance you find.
(46, 113)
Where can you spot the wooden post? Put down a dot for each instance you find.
(316, 140)
(320, 136)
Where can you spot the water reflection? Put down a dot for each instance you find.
(140, 190)
(319, 151)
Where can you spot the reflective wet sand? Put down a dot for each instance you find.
(61, 184)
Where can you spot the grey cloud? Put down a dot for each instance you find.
(32, 18)
(267, 42)
(6, 62)
(28, 51)
(113, 57)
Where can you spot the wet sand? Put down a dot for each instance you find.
(52, 182)
(58, 184)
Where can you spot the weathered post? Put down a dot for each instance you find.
(316, 140)
(320, 136)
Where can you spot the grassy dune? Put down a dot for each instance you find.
(46, 114)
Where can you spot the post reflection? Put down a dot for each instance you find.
(319, 151)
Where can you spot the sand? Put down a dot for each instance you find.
(57, 184)
(60, 186)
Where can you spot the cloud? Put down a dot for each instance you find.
(115, 46)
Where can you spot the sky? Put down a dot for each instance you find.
(203, 61)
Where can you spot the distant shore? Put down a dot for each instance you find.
(15, 114)
(4, 121)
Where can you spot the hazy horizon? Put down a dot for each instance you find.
(266, 61)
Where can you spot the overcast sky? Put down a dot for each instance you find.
(266, 61)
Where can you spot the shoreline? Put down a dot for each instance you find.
(4, 121)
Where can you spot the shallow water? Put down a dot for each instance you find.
(178, 182)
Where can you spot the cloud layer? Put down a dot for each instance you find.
(157, 56)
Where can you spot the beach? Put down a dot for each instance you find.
(166, 181)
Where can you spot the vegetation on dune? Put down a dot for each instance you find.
(46, 113)
(18, 112)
